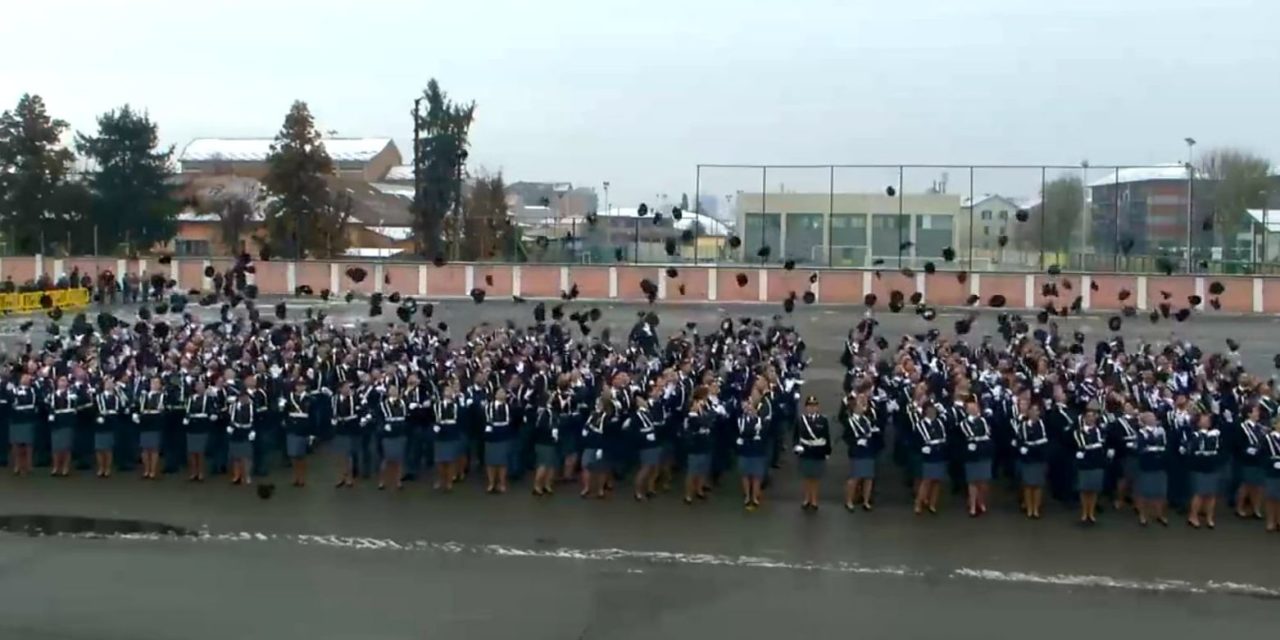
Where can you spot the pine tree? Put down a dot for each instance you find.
(132, 198)
(441, 158)
(36, 198)
(303, 218)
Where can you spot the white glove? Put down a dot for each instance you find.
(364, 420)
(185, 421)
(414, 405)
(555, 434)
(739, 440)
(650, 437)
(1182, 451)
(1111, 453)
(311, 440)
(799, 448)
(926, 450)
(1079, 455)
(973, 447)
(252, 436)
(280, 403)
(862, 442)
(136, 419)
(1022, 450)
(1253, 451)
(387, 428)
(436, 429)
(100, 420)
(1013, 443)
(333, 422)
(230, 430)
(488, 428)
(1275, 465)
(599, 454)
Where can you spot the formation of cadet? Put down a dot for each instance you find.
(1147, 428)
(1150, 428)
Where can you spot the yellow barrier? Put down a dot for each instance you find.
(61, 298)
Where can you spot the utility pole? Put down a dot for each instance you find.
(417, 161)
(1191, 194)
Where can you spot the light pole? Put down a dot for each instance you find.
(606, 197)
(417, 163)
(1191, 193)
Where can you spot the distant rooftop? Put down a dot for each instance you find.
(258, 149)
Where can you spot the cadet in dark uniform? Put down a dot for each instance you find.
(346, 425)
(978, 454)
(203, 408)
(859, 439)
(595, 468)
(111, 411)
(1152, 489)
(392, 418)
(813, 445)
(448, 446)
(1091, 464)
(1031, 440)
(150, 420)
(22, 425)
(63, 406)
(1251, 458)
(1204, 451)
(697, 446)
(649, 450)
(1272, 483)
(546, 442)
(498, 438)
(298, 424)
(754, 448)
(932, 435)
(240, 438)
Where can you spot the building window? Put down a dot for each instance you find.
(986, 214)
(986, 231)
(1004, 214)
(848, 239)
(933, 234)
(804, 238)
(191, 247)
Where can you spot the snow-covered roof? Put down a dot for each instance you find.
(401, 190)
(710, 226)
(984, 198)
(395, 233)
(372, 252)
(257, 149)
(1270, 218)
(1172, 171)
(401, 173)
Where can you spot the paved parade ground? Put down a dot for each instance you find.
(160, 560)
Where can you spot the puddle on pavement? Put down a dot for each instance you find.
(44, 525)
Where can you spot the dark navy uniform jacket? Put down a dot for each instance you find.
(813, 436)
(752, 436)
(1153, 447)
(1031, 437)
(859, 436)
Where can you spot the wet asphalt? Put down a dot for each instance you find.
(85, 558)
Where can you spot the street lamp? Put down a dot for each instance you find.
(606, 197)
(1191, 193)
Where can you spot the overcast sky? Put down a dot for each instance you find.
(638, 93)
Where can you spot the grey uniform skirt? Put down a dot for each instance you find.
(1032, 473)
(752, 466)
(1089, 480)
(651, 455)
(104, 441)
(295, 446)
(240, 450)
(977, 471)
(447, 451)
(593, 460)
(22, 433)
(1204, 483)
(197, 443)
(497, 453)
(1253, 475)
(60, 439)
(862, 468)
(698, 464)
(548, 455)
(347, 445)
(811, 469)
(1153, 485)
(1272, 488)
(149, 440)
(393, 449)
(930, 470)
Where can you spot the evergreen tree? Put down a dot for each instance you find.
(488, 232)
(132, 198)
(441, 158)
(36, 198)
(302, 217)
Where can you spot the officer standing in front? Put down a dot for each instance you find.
(813, 446)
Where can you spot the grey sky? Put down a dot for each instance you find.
(637, 93)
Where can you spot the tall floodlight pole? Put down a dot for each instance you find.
(1191, 193)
